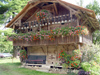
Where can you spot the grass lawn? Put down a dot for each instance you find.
(9, 68)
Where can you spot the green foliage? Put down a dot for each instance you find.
(91, 59)
(96, 37)
(3, 9)
(94, 6)
(86, 66)
(5, 45)
(23, 54)
(10, 6)
(90, 53)
(70, 60)
(93, 67)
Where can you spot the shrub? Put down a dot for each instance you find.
(91, 59)
(93, 67)
(72, 60)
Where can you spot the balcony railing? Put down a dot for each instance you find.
(48, 21)
(58, 41)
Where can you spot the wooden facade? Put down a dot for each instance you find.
(62, 14)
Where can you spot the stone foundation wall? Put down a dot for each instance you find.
(51, 52)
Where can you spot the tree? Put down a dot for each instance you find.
(3, 9)
(5, 45)
(96, 37)
(7, 7)
(95, 7)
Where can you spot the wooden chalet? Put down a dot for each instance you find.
(63, 14)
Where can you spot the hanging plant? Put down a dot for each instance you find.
(23, 54)
(42, 14)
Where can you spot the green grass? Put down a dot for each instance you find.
(9, 68)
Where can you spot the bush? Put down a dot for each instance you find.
(93, 67)
(91, 59)
(70, 60)
(91, 52)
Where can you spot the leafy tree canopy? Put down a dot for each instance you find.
(95, 7)
(5, 45)
(7, 7)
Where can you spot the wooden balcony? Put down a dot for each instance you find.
(58, 41)
(53, 20)
(61, 40)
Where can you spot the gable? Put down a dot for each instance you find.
(56, 8)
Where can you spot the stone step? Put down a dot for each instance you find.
(43, 70)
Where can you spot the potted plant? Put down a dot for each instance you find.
(42, 14)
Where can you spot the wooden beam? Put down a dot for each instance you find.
(50, 5)
(93, 19)
(84, 16)
(77, 16)
(15, 21)
(89, 21)
(77, 22)
(42, 1)
(55, 8)
(19, 22)
(29, 9)
(48, 1)
(42, 50)
(13, 26)
(33, 14)
(84, 22)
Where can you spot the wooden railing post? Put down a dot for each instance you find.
(77, 22)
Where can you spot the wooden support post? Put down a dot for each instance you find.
(39, 26)
(71, 16)
(55, 8)
(31, 6)
(79, 46)
(33, 14)
(20, 22)
(57, 53)
(42, 50)
(47, 24)
(13, 26)
(47, 55)
(77, 22)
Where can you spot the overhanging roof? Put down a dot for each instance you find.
(35, 2)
